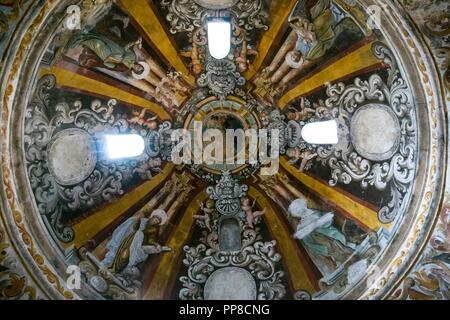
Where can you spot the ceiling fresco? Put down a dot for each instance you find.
(365, 218)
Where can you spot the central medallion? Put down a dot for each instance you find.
(224, 115)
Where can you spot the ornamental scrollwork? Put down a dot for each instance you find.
(227, 193)
(228, 215)
(14, 285)
(186, 15)
(259, 258)
(392, 169)
(100, 179)
(221, 77)
(396, 173)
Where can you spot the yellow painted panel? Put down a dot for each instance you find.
(355, 61)
(74, 80)
(168, 264)
(286, 244)
(362, 213)
(89, 227)
(142, 12)
(277, 20)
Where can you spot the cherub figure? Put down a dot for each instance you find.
(194, 55)
(302, 115)
(146, 169)
(139, 119)
(242, 60)
(208, 210)
(250, 215)
(295, 154)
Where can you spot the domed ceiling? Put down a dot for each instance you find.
(363, 218)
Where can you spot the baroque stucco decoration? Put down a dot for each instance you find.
(233, 223)
(185, 16)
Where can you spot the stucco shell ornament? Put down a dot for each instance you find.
(343, 221)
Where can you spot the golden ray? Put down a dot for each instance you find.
(361, 213)
(69, 79)
(294, 264)
(278, 18)
(144, 15)
(167, 268)
(89, 227)
(353, 62)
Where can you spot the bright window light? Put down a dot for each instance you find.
(219, 38)
(124, 145)
(324, 132)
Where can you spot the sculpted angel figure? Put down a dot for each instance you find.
(129, 63)
(208, 210)
(303, 155)
(139, 119)
(302, 115)
(250, 215)
(195, 53)
(316, 28)
(314, 31)
(146, 168)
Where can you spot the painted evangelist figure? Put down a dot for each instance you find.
(100, 51)
(133, 241)
(319, 235)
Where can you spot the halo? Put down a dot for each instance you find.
(161, 214)
(145, 73)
